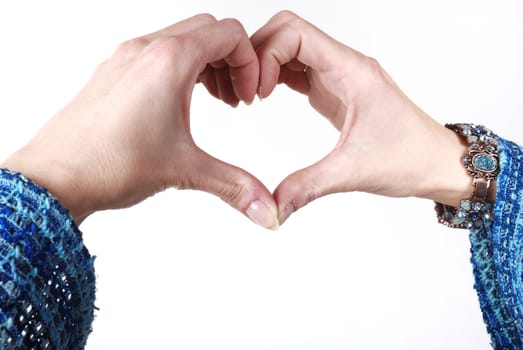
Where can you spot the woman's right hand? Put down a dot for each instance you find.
(126, 135)
(387, 144)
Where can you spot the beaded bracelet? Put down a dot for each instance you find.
(481, 162)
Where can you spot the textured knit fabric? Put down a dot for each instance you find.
(47, 281)
(497, 255)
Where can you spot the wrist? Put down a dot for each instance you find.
(447, 180)
(57, 178)
(482, 164)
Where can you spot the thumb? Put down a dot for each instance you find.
(235, 186)
(305, 185)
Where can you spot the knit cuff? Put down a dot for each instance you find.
(47, 280)
(497, 255)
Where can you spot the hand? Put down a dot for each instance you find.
(127, 134)
(387, 145)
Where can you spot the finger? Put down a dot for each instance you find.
(286, 38)
(183, 26)
(227, 40)
(296, 66)
(222, 77)
(208, 79)
(127, 50)
(296, 80)
(308, 184)
(219, 85)
(235, 186)
(225, 86)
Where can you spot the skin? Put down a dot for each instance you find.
(127, 133)
(387, 144)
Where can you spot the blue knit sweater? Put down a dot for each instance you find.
(47, 281)
(497, 255)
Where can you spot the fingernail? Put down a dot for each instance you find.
(261, 214)
(286, 212)
(248, 103)
(260, 93)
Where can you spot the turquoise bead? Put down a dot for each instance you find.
(458, 220)
(465, 205)
(486, 207)
(484, 162)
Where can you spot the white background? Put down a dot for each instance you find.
(351, 271)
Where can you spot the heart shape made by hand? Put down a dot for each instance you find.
(127, 134)
(377, 122)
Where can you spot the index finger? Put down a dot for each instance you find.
(286, 37)
(227, 40)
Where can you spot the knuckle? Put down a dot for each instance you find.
(312, 195)
(286, 16)
(206, 17)
(305, 192)
(233, 23)
(232, 193)
(172, 45)
(234, 29)
(167, 50)
(374, 71)
(131, 47)
(290, 20)
(372, 63)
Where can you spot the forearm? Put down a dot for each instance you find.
(48, 281)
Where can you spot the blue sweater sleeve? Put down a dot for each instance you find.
(47, 281)
(497, 255)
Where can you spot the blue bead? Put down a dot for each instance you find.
(458, 221)
(465, 205)
(486, 207)
(484, 162)
(447, 215)
(479, 130)
(473, 216)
